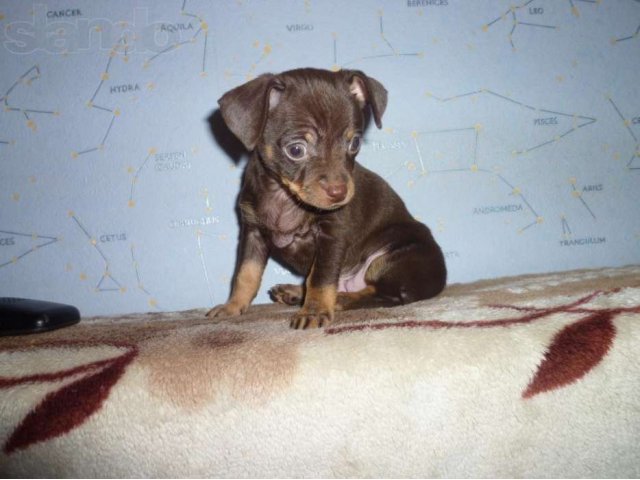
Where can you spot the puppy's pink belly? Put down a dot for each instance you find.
(353, 281)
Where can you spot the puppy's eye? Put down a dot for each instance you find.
(354, 144)
(296, 151)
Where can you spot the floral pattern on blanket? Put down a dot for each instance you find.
(574, 351)
(68, 406)
(257, 355)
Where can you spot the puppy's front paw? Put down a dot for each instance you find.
(307, 318)
(228, 309)
(287, 294)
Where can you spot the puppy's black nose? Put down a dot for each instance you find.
(336, 191)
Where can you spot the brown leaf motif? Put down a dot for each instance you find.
(70, 406)
(574, 351)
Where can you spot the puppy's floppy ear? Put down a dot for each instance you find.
(245, 108)
(367, 90)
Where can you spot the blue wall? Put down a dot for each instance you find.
(513, 130)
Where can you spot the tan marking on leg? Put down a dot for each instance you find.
(245, 287)
(324, 297)
(347, 299)
(247, 282)
(318, 309)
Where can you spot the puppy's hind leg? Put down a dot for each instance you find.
(365, 298)
(414, 268)
(287, 294)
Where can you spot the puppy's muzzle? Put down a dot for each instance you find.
(337, 192)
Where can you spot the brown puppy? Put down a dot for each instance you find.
(308, 203)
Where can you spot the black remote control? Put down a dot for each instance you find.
(19, 316)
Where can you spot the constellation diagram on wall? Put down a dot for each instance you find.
(121, 48)
(462, 146)
(474, 167)
(566, 228)
(577, 121)
(140, 285)
(577, 193)
(136, 176)
(26, 79)
(515, 13)
(389, 49)
(107, 282)
(16, 245)
(204, 239)
(195, 27)
(634, 161)
(584, 196)
(626, 38)
(263, 51)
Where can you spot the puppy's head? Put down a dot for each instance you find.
(307, 127)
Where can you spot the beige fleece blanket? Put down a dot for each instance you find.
(534, 376)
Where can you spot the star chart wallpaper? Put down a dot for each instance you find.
(512, 130)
